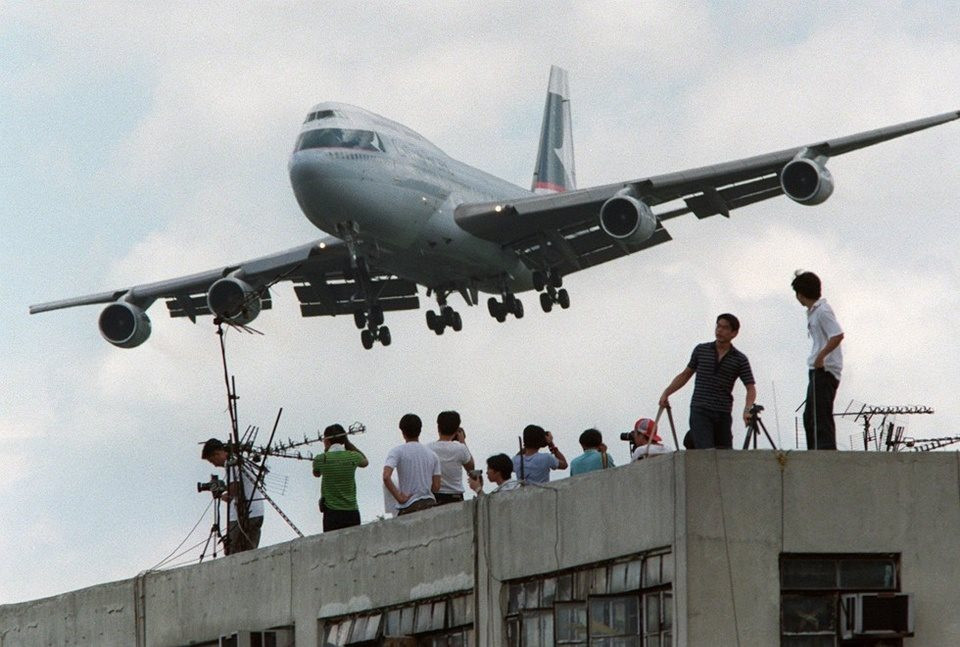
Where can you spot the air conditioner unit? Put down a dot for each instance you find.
(876, 614)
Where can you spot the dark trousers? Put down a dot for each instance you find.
(238, 540)
(337, 519)
(448, 497)
(818, 413)
(711, 429)
(417, 506)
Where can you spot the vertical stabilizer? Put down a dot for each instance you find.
(554, 172)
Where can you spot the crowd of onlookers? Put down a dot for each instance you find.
(417, 476)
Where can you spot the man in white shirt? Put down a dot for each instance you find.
(824, 363)
(240, 537)
(454, 456)
(418, 469)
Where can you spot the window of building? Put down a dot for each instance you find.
(810, 590)
(625, 603)
(438, 622)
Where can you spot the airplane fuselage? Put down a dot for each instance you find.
(399, 192)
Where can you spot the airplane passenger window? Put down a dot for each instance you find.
(340, 138)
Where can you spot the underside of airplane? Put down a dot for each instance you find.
(404, 214)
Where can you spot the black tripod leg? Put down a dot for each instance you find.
(767, 434)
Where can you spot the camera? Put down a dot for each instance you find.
(214, 486)
(627, 436)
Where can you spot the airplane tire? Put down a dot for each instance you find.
(385, 336)
(360, 319)
(546, 303)
(563, 298)
(432, 320)
(366, 338)
(457, 323)
(539, 280)
(555, 279)
(493, 307)
(446, 315)
(517, 308)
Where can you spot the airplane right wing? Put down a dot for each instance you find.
(568, 232)
(326, 282)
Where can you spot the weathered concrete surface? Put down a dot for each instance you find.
(100, 615)
(727, 515)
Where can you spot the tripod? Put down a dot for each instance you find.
(215, 533)
(754, 427)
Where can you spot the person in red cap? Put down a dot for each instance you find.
(646, 440)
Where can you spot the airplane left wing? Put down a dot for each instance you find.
(326, 283)
(571, 231)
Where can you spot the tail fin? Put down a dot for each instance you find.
(554, 172)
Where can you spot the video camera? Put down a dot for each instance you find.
(215, 486)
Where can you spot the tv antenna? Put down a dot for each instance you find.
(883, 434)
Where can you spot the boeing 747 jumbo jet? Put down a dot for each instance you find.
(406, 214)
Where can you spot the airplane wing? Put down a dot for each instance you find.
(562, 231)
(325, 284)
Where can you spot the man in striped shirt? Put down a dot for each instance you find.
(337, 467)
(717, 365)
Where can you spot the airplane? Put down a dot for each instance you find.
(405, 214)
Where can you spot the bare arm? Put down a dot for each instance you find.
(748, 403)
(435, 484)
(561, 459)
(363, 459)
(675, 385)
(828, 348)
(388, 483)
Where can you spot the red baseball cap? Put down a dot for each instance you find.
(648, 428)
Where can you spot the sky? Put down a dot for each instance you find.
(146, 141)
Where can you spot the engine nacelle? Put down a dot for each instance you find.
(233, 300)
(806, 181)
(626, 218)
(124, 325)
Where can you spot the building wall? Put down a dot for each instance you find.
(726, 516)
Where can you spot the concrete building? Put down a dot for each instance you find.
(712, 548)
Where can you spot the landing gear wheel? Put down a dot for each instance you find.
(546, 303)
(563, 298)
(493, 307)
(517, 308)
(360, 319)
(446, 315)
(366, 338)
(539, 280)
(555, 279)
(384, 336)
(432, 320)
(457, 322)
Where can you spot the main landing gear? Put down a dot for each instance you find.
(447, 317)
(509, 305)
(371, 327)
(549, 285)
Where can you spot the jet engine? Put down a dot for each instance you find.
(233, 300)
(626, 218)
(806, 181)
(124, 325)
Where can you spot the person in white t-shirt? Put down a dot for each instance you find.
(454, 456)
(239, 537)
(646, 440)
(418, 469)
(824, 363)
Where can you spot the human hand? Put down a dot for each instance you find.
(460, 436)
(549, 439)
(747, 417)
(475, 481)
(403, 498)
(818, 362)
(664, 401)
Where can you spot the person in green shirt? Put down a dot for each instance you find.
(337, 467)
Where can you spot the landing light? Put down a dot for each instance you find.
(498, 208)
(323, 245)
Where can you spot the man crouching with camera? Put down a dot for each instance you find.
(240, 537)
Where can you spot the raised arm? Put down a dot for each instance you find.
(675, 385)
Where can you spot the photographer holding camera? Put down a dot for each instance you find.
(337, 467)
(245, 536)
(644, 440)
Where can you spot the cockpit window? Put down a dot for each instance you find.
(340, 138)
(321, 114)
